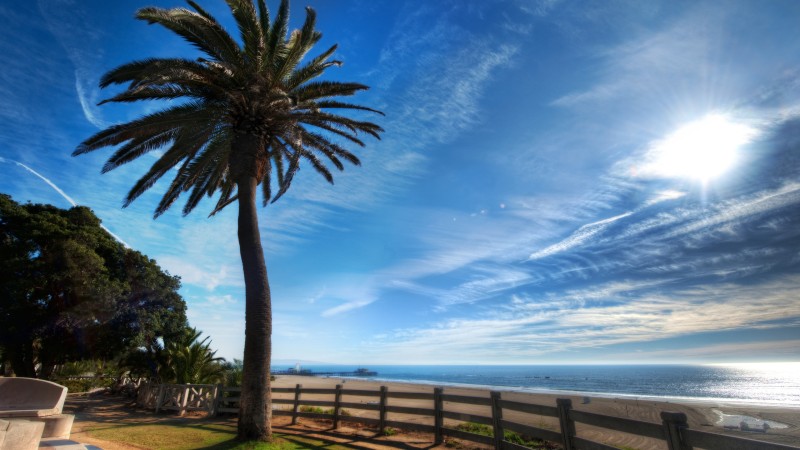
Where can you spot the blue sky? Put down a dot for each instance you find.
(559, 182)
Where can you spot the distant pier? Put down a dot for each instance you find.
(310, 373)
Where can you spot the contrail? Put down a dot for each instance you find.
(61, 192)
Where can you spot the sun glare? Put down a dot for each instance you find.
(700, 150)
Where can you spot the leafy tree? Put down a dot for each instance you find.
(233, 373)
(253, 107)
(71, 292)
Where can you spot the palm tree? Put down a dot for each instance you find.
(189, 360)
(252, 108)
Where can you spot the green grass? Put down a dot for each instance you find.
(181, 435)
(509, 436)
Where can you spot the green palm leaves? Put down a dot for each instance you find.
(191, 360)
(261, 87)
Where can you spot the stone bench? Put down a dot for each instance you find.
(33, 400)
(20, 434)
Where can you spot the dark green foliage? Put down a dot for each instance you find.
(72, 292)
(233, 373)
(190, 360)
(510, 436)
(321, 410)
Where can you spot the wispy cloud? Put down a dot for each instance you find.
(583, 234)
(60, 192)
(620, 313)
(87, 102)
(76, 33)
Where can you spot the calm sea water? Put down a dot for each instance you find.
(756, 383)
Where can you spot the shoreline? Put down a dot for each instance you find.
(731, 402)
(702, 414)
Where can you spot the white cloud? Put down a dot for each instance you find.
(220, 299)
(87, 103)
(579, 237)
(209, 276)
(599, 316)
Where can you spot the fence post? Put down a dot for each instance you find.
(159, 397)
(337, 404)
(438, 415)
(215, 403)
(567, 425)
(674, 422)
(382, 418)
(497, 420)
(185, 399)
(296, 403)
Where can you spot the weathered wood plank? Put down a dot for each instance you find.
(409, 410)
(541, 410)
(637, 427)
(483, 401)
(412, 395)
(330, 392)
(361, 393)
(704, 439)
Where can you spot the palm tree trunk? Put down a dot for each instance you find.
(255, 405)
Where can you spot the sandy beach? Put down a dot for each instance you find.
(702, 415)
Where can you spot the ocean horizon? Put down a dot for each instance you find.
(770, 384)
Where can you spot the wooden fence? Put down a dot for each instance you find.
(673, 430)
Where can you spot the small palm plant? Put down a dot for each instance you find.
(190, 360)
(254, 110)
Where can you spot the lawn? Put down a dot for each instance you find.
(183, 435)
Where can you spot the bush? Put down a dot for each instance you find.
(509, 436)
(319, 410)
(75, 385)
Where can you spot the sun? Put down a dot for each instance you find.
(701, 150)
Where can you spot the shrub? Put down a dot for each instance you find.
(319, 410)
(509, 436)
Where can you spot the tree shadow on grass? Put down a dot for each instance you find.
(323, 440)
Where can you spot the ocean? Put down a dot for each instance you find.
(777, 383)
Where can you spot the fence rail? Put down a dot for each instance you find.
(673, 430)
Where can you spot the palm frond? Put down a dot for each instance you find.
(263, 18)
(277, 35)
(159, 122)
(294, 166)
(312, 69)
(137, 147)
(333, 104)
(318, 166)
(249, 28)
(206, 35)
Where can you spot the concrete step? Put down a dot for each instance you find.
(64, 444)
